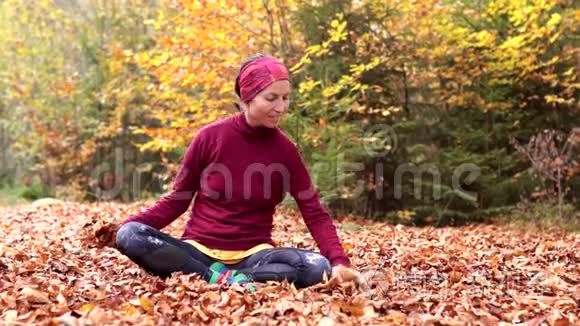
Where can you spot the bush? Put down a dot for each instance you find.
(35, 191)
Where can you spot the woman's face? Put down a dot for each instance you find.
(266, 109)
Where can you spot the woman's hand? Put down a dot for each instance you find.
(341, 274)
(106, 236)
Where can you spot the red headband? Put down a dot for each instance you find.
(258, 75)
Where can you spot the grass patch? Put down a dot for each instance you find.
(12, 195)
(543, 216)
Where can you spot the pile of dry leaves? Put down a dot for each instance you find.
(486, 275)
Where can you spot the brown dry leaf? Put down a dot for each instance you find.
(326, 321)
(354, 310)
(34, 296)
(97, 316)
(553, 281)
(9, 316)
(536, 321)
(201, 314)
(455, 277)
(7, 251)
(61, 299)
(396, 317)
(284, 306)
(563, 321)
(66, 319)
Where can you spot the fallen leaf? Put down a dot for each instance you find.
(477, 274)
(87, 307)
(61, 299)
(34, 296)
(326, 321)
(455, 277)
(129, 309)
(9, 315)
(146, 304)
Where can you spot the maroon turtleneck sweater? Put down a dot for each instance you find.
(239, 174)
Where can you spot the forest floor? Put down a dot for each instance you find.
(51, 272)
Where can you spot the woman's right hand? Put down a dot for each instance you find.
(106, 236)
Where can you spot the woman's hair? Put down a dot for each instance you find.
(243, 65)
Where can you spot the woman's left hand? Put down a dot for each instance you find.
(106, 236)
(341, 273)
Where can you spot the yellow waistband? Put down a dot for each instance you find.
(229, 256)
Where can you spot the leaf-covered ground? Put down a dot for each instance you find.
(487, 275)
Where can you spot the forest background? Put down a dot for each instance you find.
(418, 112)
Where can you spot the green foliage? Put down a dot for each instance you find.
(35, 190)
(11, 195)
(446, 84)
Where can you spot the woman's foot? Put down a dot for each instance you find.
(220, 274)
(241, 279)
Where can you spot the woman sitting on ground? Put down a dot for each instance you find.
(240, 169)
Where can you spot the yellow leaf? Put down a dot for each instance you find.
(129, 309)
(146, 304)
(405, 215)
(555, 19)
(484, 38)
(514, 42)
(569, 72)
(87, 307)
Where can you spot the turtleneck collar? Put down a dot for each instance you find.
(253, 132)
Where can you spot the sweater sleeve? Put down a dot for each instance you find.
(316, 217)
(175, 202)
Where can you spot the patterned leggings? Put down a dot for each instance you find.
(160, 254)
